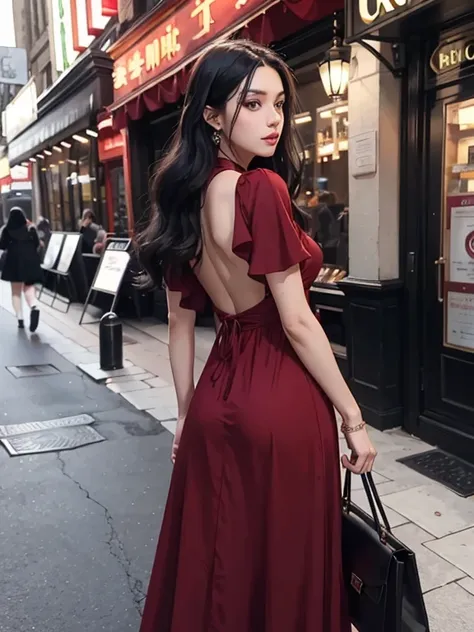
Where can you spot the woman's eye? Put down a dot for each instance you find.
(280, 105)
(252, 105)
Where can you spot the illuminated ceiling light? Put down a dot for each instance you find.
(48, 153)
(67, 145)
(305, 117)
(91, 132)
(61, 162)
(80, 139)
(342, 109)
(40, 156)
(58, 149)
(334, 68)
(24, 164)
(43, 169)
(32, 159)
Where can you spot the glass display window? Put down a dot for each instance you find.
(323, 127)
(456, 266)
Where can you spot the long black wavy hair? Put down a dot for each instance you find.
(173, 234)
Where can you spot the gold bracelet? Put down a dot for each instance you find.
(345, 429)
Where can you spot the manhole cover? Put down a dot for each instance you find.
(444, 468)
(32, 370)
(53, 440)
(34, 426)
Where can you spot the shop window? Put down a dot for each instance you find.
(119, 202)
(458, 228)
(323, 128)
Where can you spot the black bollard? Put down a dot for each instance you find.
(110, 339)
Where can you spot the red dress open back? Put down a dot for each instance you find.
(251, 535)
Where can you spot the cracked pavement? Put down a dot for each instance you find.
(78, 528)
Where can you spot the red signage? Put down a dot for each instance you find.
(109, 7)
(111, 147)
(177, 39)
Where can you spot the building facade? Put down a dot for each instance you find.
(33, 33)
(410, 289)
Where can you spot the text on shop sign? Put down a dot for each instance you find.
(453, 53)
(185, 32)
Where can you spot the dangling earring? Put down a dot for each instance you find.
(216, 138)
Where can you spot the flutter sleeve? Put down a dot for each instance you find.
(182, 279)
(265, 233)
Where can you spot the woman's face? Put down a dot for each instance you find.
(259, 124)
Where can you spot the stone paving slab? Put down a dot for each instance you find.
(152, 398)
(161, 414)
(434, 571)
(139, 377)
(468, 584)
(433, 508)
(128, 387)
(458, 549)
(451, 609)
(157, 382)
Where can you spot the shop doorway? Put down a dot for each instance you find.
(447, 288)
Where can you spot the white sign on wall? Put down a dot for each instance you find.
(13, 66)
(363, 154)
(21, 111)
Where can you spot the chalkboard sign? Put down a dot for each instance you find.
(70, 245)
(111, 270)
(53, 250)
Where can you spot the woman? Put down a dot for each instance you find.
(251, 535)
(89, 230)
(22, 264)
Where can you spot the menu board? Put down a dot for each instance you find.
(461, 264)
(53, 250)
(67, 253)
(459, 298)
(112, 267)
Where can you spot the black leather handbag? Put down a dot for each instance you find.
(380, 573)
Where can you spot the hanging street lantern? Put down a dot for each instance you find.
(334, 68)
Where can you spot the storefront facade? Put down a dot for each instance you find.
(152, 62)
(411, 322)
(61, 144)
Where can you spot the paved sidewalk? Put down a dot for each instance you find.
(432, 520)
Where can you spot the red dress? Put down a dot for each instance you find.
(251, 535)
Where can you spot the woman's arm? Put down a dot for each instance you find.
(4, 239)
(311, 344)
(181, 347)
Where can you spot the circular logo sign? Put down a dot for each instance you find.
(470, 244)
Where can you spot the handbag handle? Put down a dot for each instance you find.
(382, 526)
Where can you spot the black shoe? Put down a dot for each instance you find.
(21, 324)
(34, 319)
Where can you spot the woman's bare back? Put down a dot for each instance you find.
(222, 273)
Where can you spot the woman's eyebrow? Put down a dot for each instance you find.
(262, 92)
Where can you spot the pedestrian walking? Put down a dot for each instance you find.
(251, 534)
(21, 264)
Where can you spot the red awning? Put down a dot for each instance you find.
(279, 21)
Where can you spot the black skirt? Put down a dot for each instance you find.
(22, 262)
